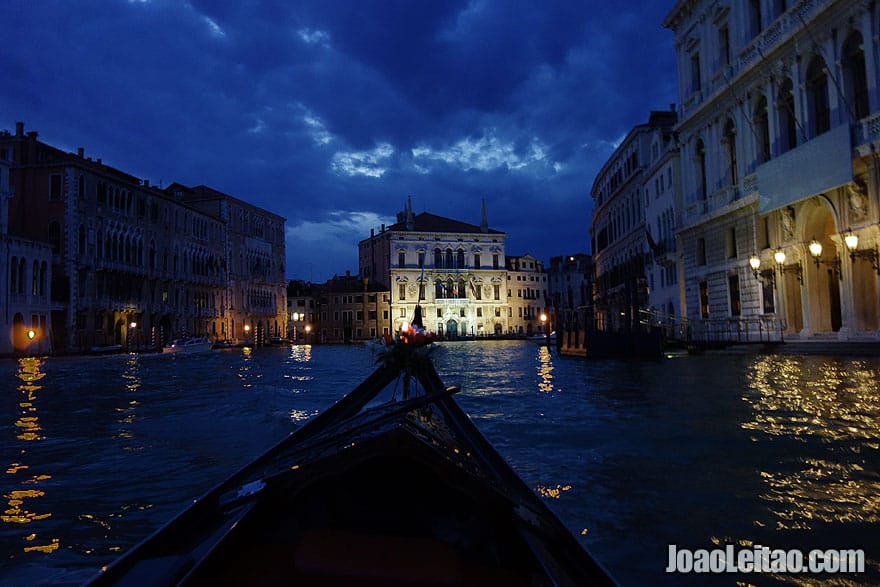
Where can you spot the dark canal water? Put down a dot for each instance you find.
(697, 451)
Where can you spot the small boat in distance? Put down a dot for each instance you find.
(405, 492)
(192, 344)
(543, 339)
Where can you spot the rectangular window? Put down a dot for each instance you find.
(767, 290)
(735, 303)
(495, 261)
(696, 82)
(55, 187)
(401, 291)
(701, 251)
(704, 300)
(724, 45)
(496, 292)
(421, 259)
(731, 243)
(476, 261)
(479, 312)
(401, 260)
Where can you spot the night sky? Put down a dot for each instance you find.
(331, 113)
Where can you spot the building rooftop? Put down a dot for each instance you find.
(427, 222)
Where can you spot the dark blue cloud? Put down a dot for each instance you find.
(332, 113)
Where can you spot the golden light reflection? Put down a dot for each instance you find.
(299, 416)
(127, 411)
(545, 370)
(552, 492)
(20, 501)
(301, 353)
(832, 409)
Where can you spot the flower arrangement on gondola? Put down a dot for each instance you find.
(407, 353)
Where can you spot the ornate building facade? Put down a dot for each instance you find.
(455, 271)
(623, 248)
(779, 133)
(25, 312)
(527, 295)
(132, 265)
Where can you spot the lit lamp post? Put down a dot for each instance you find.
(247, 332)
(132, 333)
(816, 251)
(852, 244)
(308, 333)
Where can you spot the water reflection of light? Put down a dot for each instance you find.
(301, 353)
(545, 370)
(833, 409)
(552, 492)
(299, 416)
(128, 410)
(19, 508)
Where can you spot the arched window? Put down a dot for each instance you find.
(729, 145)
(450, 263)
(35, 276)
(43, 279)
(785, 114)
(438, 290)
(13, 276)
(817, 97)
(438, 258)
(450, 288)
(462, 290)
(754, 17)
(81, 239)
(21, 266)
(459, 259)
(854, 75)
(762, 128)
(700, 151)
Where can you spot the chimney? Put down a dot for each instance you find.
(383, 228)
(484, 221)
(98, 160)
(32, 135)
(19, 129)
(146, 183)
(80, 152)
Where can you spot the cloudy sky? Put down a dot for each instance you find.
(332, 112)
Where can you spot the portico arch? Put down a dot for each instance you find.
(822, 280)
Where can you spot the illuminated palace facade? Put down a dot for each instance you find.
(779, 130)
(455, 271)
(133, 266)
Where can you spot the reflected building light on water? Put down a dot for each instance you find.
(19, 501)
(301, 353)
(545, 370)
(832, 410)
(552, 492)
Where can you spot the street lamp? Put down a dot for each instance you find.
(308, 333)
(755, 263)
(247, 331)
(852, 244)
(816, 251)
(131, 333)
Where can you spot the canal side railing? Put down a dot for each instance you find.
(742, 329)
